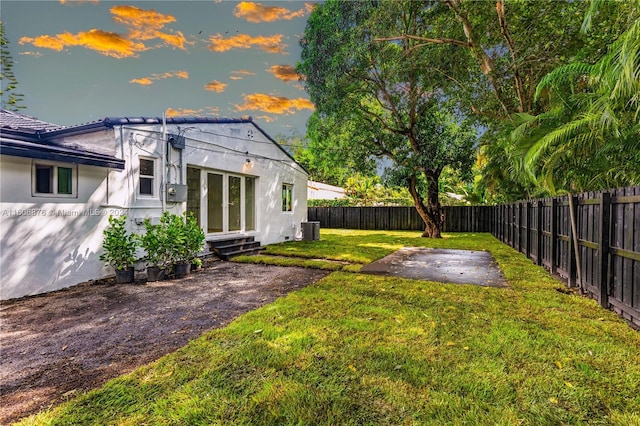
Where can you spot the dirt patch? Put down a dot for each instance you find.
(73, 340)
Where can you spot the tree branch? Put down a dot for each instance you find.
(427, 40)
(507, 36)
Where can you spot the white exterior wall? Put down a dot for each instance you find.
(52, 243)
(215, 147)
(49, 243)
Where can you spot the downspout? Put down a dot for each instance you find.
(164, 167)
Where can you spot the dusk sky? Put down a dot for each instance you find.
(79, 61)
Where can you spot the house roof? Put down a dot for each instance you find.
(39, 137)
(110, 122)
(13, 120)
(28, 137)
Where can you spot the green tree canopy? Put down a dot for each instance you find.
(11, 99)
(382, 97)
(591, 122)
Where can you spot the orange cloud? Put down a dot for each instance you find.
(145, 81)
(271, 44)
(72, 2)
(147, 25)
(239, 75)
(142, 25)
(265, 118)
(256, 12)
(274, 104)
(200, 112)
(106, 43)
(284, 72)
(215, 86)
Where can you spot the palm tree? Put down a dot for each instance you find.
(589, 138)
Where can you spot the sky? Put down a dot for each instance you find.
(84, 60)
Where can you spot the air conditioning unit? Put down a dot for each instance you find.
(310, 231)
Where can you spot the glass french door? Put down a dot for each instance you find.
(221, 202)
(215, 203)
(234, 203)
(194, 193)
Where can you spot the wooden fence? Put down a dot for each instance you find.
(457, 218)
(601, 258)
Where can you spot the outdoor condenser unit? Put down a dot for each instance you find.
(310, 231)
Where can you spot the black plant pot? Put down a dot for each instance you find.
(124, 276)
(155, 273)
(181, 270)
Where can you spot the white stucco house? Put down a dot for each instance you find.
(58, 186)
(324, 191)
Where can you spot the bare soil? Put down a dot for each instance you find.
(56, 345)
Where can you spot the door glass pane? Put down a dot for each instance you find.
(214, 203)
(234, 203)
(249, 204)
(193, 192)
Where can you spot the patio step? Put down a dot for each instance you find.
(227, 248)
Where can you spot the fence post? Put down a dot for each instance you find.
(571, 260)
(603, 248)
(539, 233)
(528, 229)
(554, 235)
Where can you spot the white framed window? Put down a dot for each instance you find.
(147, 177)
(287, 197)
(51, 179)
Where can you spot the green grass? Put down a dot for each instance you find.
(359, 349)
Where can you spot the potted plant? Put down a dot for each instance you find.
(119, 249)
(176, 244)
(194, 240)
(196, 264)
(154, 243)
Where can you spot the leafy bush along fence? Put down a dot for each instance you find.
(602, 257)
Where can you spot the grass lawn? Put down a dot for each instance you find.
(358, 349)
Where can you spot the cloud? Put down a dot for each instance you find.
(284, 72)
(256, 12)
(147, 25)
(215, 86)
(273, 104)
(106, 43)
(142, 25)
(200, 112)
(239, 75)
(271, 44)
(266, 118)
(74, 2)
(146, 81)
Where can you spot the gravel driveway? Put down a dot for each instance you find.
(73, 340)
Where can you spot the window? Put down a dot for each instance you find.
(147, 176)
(287, 196)
(49, 179)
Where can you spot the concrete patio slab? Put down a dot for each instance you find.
(442, 265)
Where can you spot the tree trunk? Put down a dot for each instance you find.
(431, 213)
